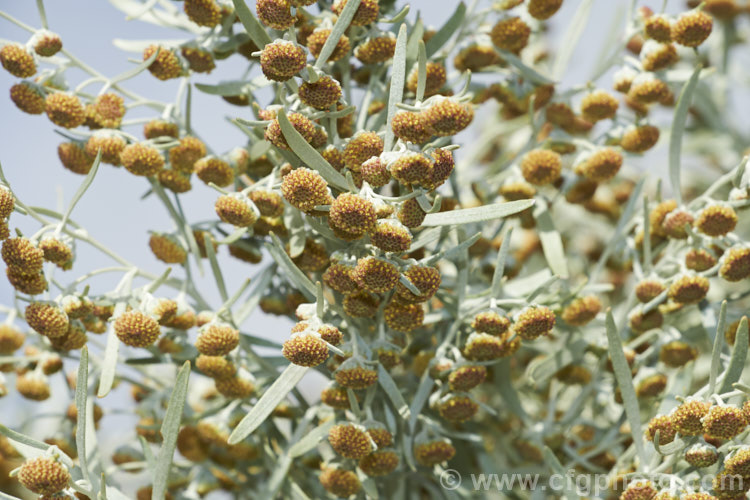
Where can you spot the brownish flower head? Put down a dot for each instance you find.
(724, 422)
(141, 159)
(435, 78)
(318, 38)
(658, 28)
(43, 475)
(56, 251)
(166, 65)
(281, 60)
(658, 56)
(403, 317)
(412, 126)
(212, 169)
(167, 248)
(304, 188)
(648, 289)
(651, 386)
(738, 462)
(647, 89)
(361, 148)
(411, 168)
(465, 378)
(200, 61)
(601, 166)
(335, 397)
(22, 256)
(533, 322)
(301, 124)
(692, 28)
(322, 94)
(366, 13)
(677, 353)
(391, 236)
(448, 117)
(340, 482)
(687, 417)
(47, 44)
(599, 105)
(305, 350)
(486, 347)
(339, 277)
(203, 12)
(511, 34)
(160, 128)
(640, 322)
(701, 455)
(110, 143)
(33, 386)
(355, 376)
(379, 463)
(27, 98)
(375, 275)
(434, 452)
(276, 14)
(425, 278)
(234, 387)
(236, 209)
(735, 264)
(476, 58)
(543, 9)
(689, 289)
(458, 409)
(11, 339)
(136, 329)
(375, 172)
(639, 490)
(75, 158)
(640, 139)
(376, 50)
(662, 424)
(174, 180)
(109, 109)
(350, 441)
(17, 61)
(699, 259)
(490, 322)
(184, 156)
(582, 310)
(716, 220)
(352, 214)
(64, 109)
(217, 339)
(541, 166)
(47, 319)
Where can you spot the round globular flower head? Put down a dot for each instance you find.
(352, 214)
(203, 12)
(27, 98)
(350, 441)
(330, 334)
(432, 453)
(391, 235)
(689, 289)
(335, 397)
(110, 143)
(677, 353)
(33, 386)
(160, 128)
(318, 38)
(543, 9)
(281, 60)
(167, 248)
(648, 289)
(217, 367)
(301, 124)
(465, 378)
(412, 126)
(28, 284)
(599, 105)
(687, 417)
(269, 203)
(663, 425)
(366, 13)
(17, 61)
(175, 181)
(340, 482)
(47, 319)
(639, 490)
(541, 166)
(237, 387)
(11, 339)
(490, 322)
(136, 329)
(458, 409)
(582, 310)
(43, 475)
(375, 275)
(236, 209)
(379, 463)
(658, 27)
(639, 139)
(380, 435)
(692, 28)
(738, 462)
(322, 94)
(425, 278)
(435, 78)
(701, 455)
(56, 251)
(217, 339)
(64, 109)
(22, 256)
(375, 172)
(724, 422)
(141, 159)
(211, 169)
(276, 14)
(411, 168)
(735, 264)
(449, 117)
(183, 157)
(647, 89)
(108, 110)
(533, 322)
(716, 220)
(511, 34)
(699, 259)
(200, 61)
(361, 148)
(651, 386)
(166, 66)
(305, 350)
(339, 277)
(7, 202)
(486, 347)
(376, 50)
(403, 317)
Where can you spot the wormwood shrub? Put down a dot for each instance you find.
(521, 297)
